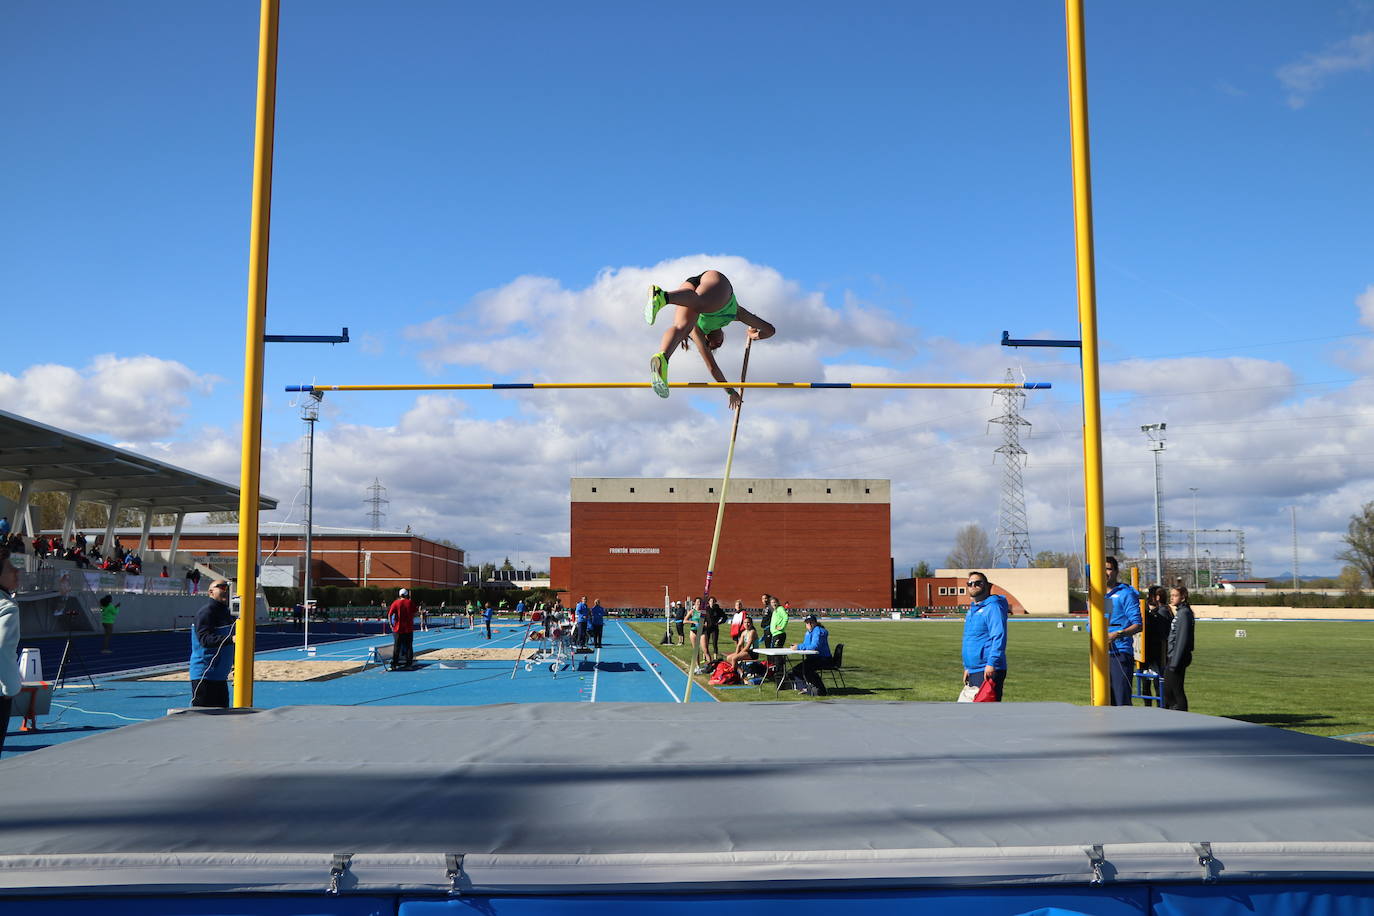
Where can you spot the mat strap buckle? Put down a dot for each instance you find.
(337, 870)
(1098, 862)
(454, 873)
(1207, 861)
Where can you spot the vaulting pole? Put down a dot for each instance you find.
(1095, 517)
(720, 511)
(250, 469)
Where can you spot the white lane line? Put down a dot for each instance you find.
(596, 669)
(631, 638)
(92, 712)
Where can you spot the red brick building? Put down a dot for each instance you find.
(814, 543)
(342, 556)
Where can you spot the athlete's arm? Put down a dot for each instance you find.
(758, 328)
(708, 357)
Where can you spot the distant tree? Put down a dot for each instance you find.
(1359, 540)
(506, 566)
(49, 510)
(972, 549)
(488, 571)
(922, 571)
(1351, 581)
(222, 518)
(1055, 559)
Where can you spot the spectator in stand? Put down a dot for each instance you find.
(598, 622)
(109, 610)
(777, 621)
(194, 576)
(10, 683)
(808, 669)
(165, 574)
(4, 528)
(1123, 609)
(401, 616)
(212, 652)
(487, 613)
(1179, 649)
(40, 546)
(81, 542)
(985, 636)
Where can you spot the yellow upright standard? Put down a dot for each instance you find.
(250, 471)
(1087, 322)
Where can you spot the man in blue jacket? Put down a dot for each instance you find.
(1123, 622)
(581, 613)
(212, 649)
(985, 636)
(808, 669)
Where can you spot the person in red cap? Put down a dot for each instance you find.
(401, 616)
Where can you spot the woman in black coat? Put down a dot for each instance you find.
(1180, 649)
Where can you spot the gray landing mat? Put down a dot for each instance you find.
(539, 797)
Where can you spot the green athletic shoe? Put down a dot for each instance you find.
(657, 300)
(658, 365)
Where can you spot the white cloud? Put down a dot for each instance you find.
(1208, 386)
(1365, 302)
(535, 329)
(135, 397)
(1303, 78)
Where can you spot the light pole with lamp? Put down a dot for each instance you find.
(1195, 572)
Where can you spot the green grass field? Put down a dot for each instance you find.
(1306, 676)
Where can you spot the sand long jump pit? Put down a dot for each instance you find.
(476, 655)
(306, 669)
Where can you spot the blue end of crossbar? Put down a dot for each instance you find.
(300, 387)
(830, 385)
(1036, 385)
(512, 384)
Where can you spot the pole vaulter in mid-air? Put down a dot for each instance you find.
(704, 305)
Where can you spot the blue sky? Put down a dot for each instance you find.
(889, 181)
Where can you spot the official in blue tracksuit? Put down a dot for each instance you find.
(1123, 622)
(486, 616)
(212, 649)
(598, 621)
(581, 613)
(985, 636)
(817, 638)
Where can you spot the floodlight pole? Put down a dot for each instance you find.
(1195, 573)
(1155, 433)
(310, 412)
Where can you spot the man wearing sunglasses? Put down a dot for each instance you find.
(985, 636)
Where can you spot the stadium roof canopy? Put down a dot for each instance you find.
(56, 460)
